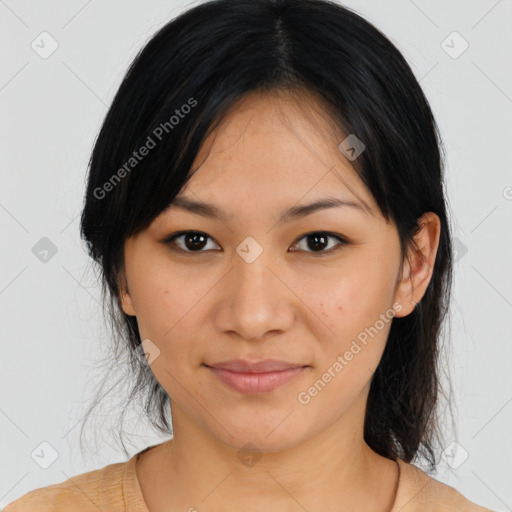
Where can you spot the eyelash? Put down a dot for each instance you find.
(170, 239)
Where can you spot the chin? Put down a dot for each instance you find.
(261, 436)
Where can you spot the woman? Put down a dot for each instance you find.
(265, 202)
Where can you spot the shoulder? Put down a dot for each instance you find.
(418, 491)
(95, 490)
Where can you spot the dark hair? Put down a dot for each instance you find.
(175, 93)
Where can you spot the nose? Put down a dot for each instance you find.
(255, 300)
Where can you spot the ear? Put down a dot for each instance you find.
(418, 267)
(126, 301)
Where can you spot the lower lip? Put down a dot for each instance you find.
(253, 383)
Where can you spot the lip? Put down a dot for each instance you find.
(264, 366)
(256, 377)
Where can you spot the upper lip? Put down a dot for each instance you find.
(266, 365)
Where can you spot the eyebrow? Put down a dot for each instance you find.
(295, 212)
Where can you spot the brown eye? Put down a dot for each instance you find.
(190, 241)
(318, 241)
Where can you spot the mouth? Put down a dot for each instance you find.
(255, 378)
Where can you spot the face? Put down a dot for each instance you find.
(316, 288)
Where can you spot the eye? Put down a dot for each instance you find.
(193, 241)
(196, 241)
(319, 241)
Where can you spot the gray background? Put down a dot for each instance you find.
(52, 334)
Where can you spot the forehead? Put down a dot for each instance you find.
(275, 148)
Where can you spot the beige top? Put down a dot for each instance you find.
(115, 488)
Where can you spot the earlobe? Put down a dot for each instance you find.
(126, 301)
(127, 304)
(419, 264)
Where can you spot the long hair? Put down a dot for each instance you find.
(175, 93)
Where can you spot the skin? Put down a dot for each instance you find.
(270, 154)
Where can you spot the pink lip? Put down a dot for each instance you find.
(244, 366)
(253, 378)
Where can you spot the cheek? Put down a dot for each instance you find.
(170, 312)
(355, 306)
(167, 312)
(160, 294)
(352, 298)
(153, 303)
(347, 360)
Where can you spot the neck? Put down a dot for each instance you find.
(334, 469)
